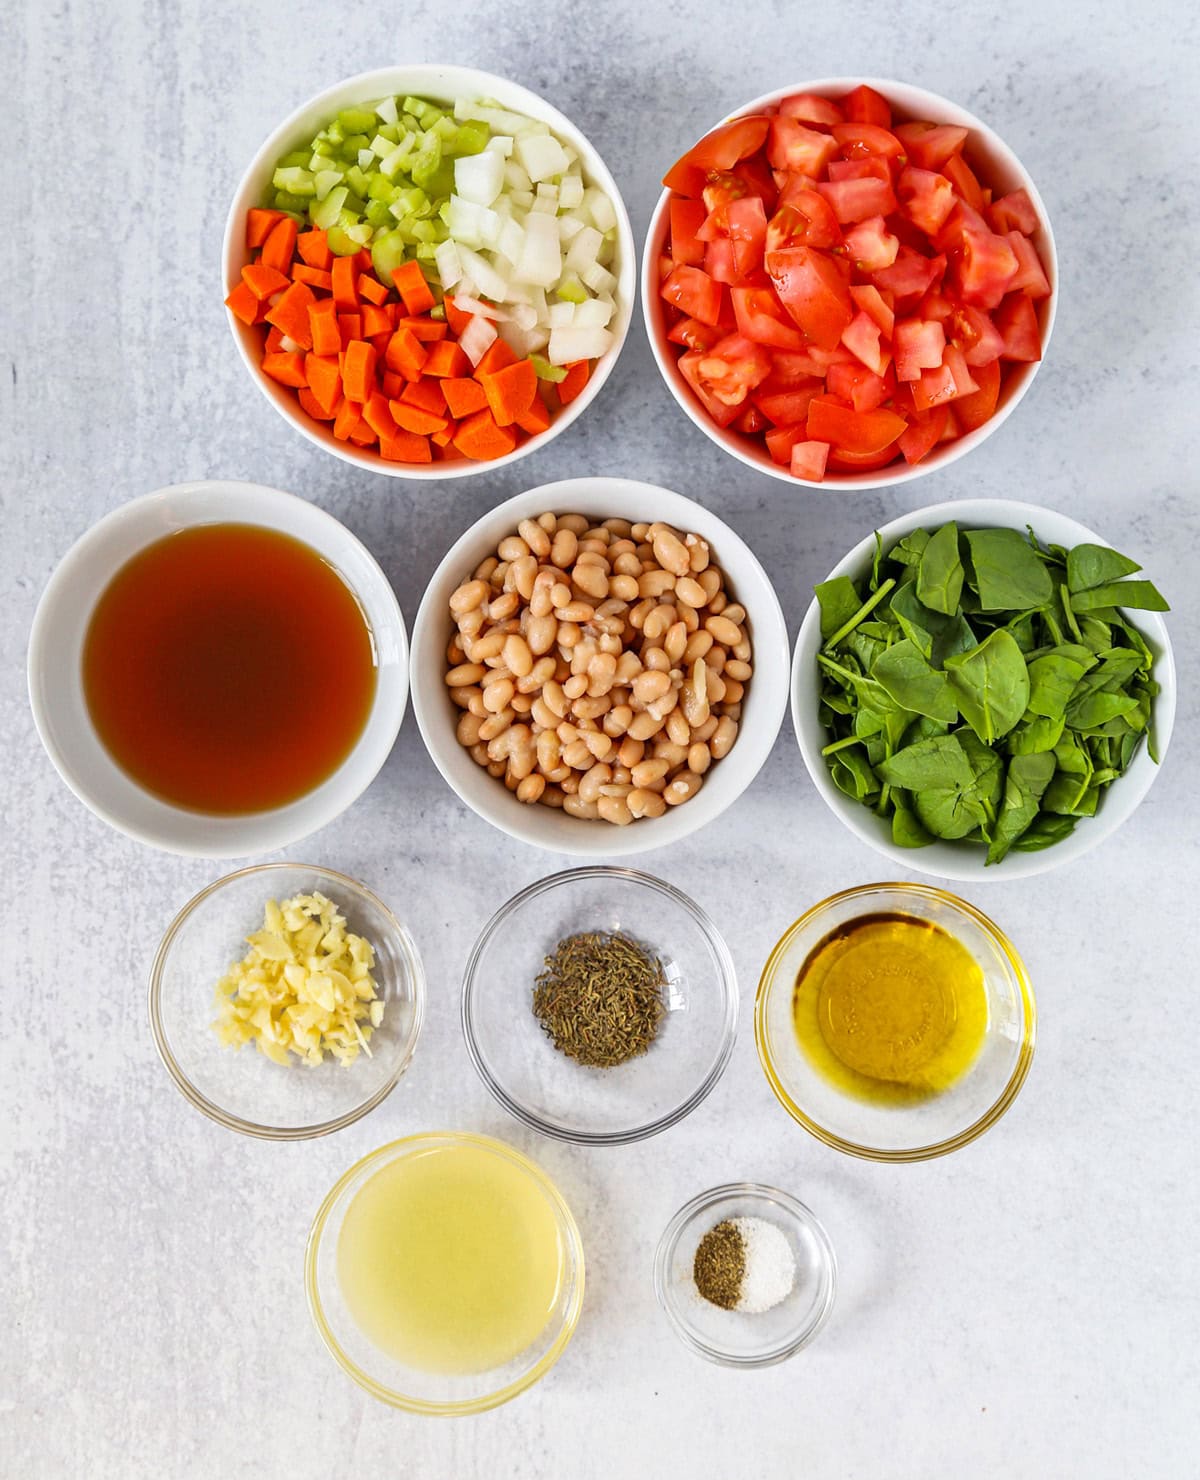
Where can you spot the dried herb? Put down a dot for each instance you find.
(719, 1267)
(600, 998)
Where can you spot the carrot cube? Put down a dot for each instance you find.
(406, 447)
(242, 304)
(259, 223)
(446, 358)
(463, 395)
(370, 288)
(510, 391)
(345, 294)
(358, 372)
(416, 418)
(263, 280)
(412, 287)
(313, 247)
(425, 393)
(279, 246)
(287, 367)
(406, 355)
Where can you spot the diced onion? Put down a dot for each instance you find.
(541, 260)
(569, 345)
(477, 337)
(541, 155)
(479, 177)
(448, 263)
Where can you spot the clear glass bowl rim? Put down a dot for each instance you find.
(666, 1248)
(194, 1096)
(1020, 1068)
(575, 1257)
(726, 972)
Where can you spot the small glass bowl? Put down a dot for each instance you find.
(390, 1380)
(543, 1087)
(242, 1089)
(738, 1338)
(925, 1128)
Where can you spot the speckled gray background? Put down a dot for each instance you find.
(1027, 1307)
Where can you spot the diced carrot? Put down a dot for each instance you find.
(480, 438)
(445, 436)
(345, 295)
(312, 406)
(370, 288)
(406, 355)
(324, 380)
(510, 391)
(287, 367)
(349, 326)
(374, 321)
(576, 379)
(274, 340)
(412, 287)
(463, 396)
(406, 447)
(362, 260)
(427, 394)
(291, 314)
(536, 418)
(455, 317)
(358, 373)
(363, 434)
(393, 383)
(263, 280)
(496, 357)
(323, 326)
(416, 418)
(280, 245)
(427, 330)
(446, 358)
(242, 304)
(259, 223)
(381, 342)
(349, 415)
(378, 416)
(313, 276)
(449, 453)
(313, 247)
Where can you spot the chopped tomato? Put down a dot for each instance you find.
(761, 317)
(694, 293)
(865, 105)
(794, 147)
(814, 291)
(878, 291)
(807, 218)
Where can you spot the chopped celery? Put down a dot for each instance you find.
(445, 128)
(424, 231)
(438, 311)
(357, 181)
(387, 253)
(379, 187)
(296, 157)
(352, 143)
(546, 371)
(354, 204)
(390, 131)
(324, 213)
(470, 138)
(341, 244)
(296, 204)
(420, 109)
(427, 159)
(334, 132)
(425, 251)
(377, 213)
(571, 290)
(295, 180)
(356, 120)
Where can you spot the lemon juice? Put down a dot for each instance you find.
(450, 1258)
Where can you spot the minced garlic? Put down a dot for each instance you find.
(304, 988)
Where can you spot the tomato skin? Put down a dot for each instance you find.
(793, 371)
(787, 408)
(807, 218)
(694, 293)
(809, 108)
(861, 338)
(973, 410)
(687, 217)
(760, 317)
(856, 139)
(862, 462)
(720, 150)
(878, 305)
(809, 460)
(751, 421)
(813, 290)
(855, 200)
(850, 431)
(794, 147)
(692, 334)
(922, 436)
(911, 275)
(926, 197)
(1031, 276)
(755, 175)
(919, 345)
(1017, 322)
(961, 176)
(855, 383)
(865, 167)
(865, 105)
(748, 233)
(1013, 212)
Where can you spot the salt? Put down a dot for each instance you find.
(770, 1265)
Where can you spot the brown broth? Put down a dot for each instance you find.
(228, 668)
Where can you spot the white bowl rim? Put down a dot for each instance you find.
(591, 839)
(1020, 376)
(471, 80)
(727, 972)
(947, 860)
(271, 833)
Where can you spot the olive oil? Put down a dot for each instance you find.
(891, 1008)
(228, 668)
(450, 1259)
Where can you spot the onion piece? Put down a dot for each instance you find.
(569, 345)
(476, 339)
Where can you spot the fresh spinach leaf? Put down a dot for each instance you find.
(913, 684)
(940, 573)
(1138, 595)
(838, 601)
(1006, 574)
(1026, 780)
(991, 685)
(1096, 565)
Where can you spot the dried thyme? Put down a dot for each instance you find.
(720, 1264)
(599, 998)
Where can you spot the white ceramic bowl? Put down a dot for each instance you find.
(1000, 166)
(947, 860)
(56, 681)
(438, 83)
(766, 692)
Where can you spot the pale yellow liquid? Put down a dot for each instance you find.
(450, 1259)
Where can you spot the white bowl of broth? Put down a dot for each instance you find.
(218, 669)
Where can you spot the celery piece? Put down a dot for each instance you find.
(571, 290)
(356, 120)
(413, 203)
(355, 204)
(410, 125)
(379, 187)
(441, 182)
(357, 181)
(298, 157)
(377, 213)
(334, 132)
(546, 371)
(438, 311)
(426, 160)
(322, 147)
(390, 131)
(418, 107)
(424, 253)
(387, 253)
(352, 143)
(445, 128)
(295, 204)
(423, 231)
(325, 213)
(295, 180)
(469, 138)
(341, 244)
(325, 180)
